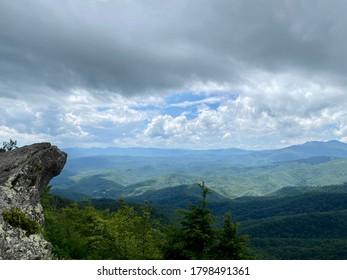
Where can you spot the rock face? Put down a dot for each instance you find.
(24, 174)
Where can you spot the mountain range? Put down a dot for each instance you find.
(126, 172)
(308, 149)
(292, 202)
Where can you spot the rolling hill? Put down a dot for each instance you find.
(132, 176)
(292, 202)
(305, 224)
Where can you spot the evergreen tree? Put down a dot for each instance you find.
(230, 245)
(79, 231)
(197, 238)
(194, 238)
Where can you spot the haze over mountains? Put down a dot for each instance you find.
(126, 172)
(306, 150)
(292, 202)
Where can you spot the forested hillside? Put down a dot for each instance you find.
(128, 177)
(81, 231)
(291, 202)
(310, 224)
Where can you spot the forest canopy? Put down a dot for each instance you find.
(81, 231)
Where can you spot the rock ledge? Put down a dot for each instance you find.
(24, 174)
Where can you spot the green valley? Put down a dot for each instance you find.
(292, 202)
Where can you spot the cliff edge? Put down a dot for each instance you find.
(24, 174)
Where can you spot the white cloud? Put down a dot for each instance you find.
(270, 111)
(7, 133)
(265, 111)
(266, 73)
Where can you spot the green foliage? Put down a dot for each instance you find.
(303, 227)
(231, 245)
(136, 235)
(16, 218)
(83, 232)
(296, 223)
(308, 225)
(116, 176)
(194, 238)
(197, 238)
(80, 231)
(267, 207)
(300, 248)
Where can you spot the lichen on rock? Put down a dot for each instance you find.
(24, 174)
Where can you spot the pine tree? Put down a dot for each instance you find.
(194, 238)
(230, 245)
(197, 238)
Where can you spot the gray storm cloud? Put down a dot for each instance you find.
(65, 63)
(133, 47)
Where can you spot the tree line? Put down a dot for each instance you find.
(80, 231)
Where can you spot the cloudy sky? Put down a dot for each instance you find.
(196, 74)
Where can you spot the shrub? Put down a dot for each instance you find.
(16, 218)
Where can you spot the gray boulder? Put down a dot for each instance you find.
(24, 174)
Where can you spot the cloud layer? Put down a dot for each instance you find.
(192, 74)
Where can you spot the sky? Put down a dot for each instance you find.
(197, 74)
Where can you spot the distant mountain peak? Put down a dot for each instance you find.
(321, 143)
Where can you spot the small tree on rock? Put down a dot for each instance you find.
(8, 146)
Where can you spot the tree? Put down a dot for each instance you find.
(197, 238)
(135, 235)
(230, 245)
(8, 146)
(197, 225)
(82, 232)
(194, 238)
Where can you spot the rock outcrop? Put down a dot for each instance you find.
(24, 174)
